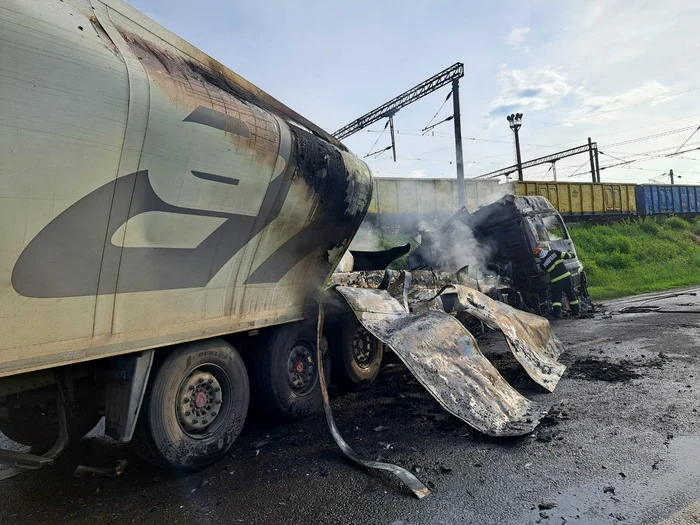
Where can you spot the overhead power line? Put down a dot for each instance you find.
(438, 123)
(654, 136)
(611, 156)
(656, 124)
(576, 170)
(375, 142)
(439, 135)
(378, 152)
(449, 95)
(686, 140)
(626, 162)
(631, 154)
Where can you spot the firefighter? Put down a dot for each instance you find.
(552, 262)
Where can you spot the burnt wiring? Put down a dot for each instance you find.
(644, 307)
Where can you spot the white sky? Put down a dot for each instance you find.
(614, 70)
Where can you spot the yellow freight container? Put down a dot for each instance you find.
(583, 198)
(411, 195)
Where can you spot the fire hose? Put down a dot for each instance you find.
(657, 309)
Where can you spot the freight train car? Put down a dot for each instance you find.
(404, 202)
(667, 200)
(584, 201)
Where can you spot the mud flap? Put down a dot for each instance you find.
(445, 358)
(530, 337)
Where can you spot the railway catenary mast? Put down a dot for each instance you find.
(450, 75)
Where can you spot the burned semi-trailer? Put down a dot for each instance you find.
(160, 214)
(169, 232)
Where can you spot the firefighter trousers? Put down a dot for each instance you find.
(565, 286)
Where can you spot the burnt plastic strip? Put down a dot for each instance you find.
(215, 178)
(404, 475)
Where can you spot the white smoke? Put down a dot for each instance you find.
(368, 238)
(494, 193)
(453, 251)
(458, 248)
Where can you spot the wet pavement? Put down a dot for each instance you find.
(621, 443)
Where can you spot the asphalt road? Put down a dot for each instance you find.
(621, 444)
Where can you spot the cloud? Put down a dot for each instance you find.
(516, 37)
(530, 92)
(536, 89)
(604, 107)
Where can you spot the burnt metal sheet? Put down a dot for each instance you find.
(442, 354)
(530, 337)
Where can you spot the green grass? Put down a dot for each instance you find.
(639, 256)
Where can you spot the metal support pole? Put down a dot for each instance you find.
(590, 155)
(461, 190)
(671, 174)
(554, 171)
(517, 155)
(597, 166)
(393, 142)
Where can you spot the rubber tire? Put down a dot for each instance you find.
(159, 438)
(346, 373)
(272, 394)
(29, 426)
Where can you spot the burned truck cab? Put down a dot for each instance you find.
(544, 228)
(497, 241)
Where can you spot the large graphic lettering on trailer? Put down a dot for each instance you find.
(72, 256)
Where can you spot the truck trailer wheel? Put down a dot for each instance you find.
(356, 355)
(285, 376)
(37, 426)
(194, 407)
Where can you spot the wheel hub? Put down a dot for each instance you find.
(301, 369)
(199, 401)
(362, 347)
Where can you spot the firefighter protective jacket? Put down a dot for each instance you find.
(553, 264)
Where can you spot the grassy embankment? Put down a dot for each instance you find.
(639, 256)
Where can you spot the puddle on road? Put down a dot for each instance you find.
(666, 489)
